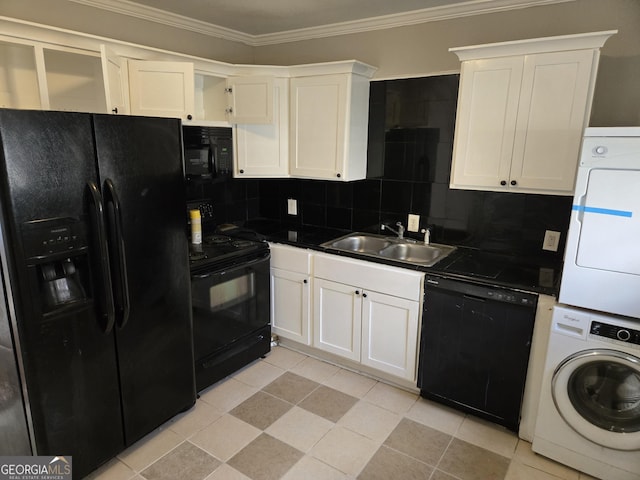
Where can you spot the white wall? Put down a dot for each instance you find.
(82, 18)
(420, 50)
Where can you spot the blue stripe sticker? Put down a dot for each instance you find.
(603, 211)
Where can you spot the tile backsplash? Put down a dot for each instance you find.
(409, 162)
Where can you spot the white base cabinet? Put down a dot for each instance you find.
(389, 332)
(337, 318)
(367, 313)
(291, 293)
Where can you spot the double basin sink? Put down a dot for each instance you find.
(393, 248)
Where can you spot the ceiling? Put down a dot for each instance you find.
(258, 22)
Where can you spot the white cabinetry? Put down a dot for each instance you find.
(307, 121)
(522, 110)
(115, 74)
(162, 89)
(329, 122)
(250, 99)
(291, 293)
(263, 150)
(18, 77)
(367, 313)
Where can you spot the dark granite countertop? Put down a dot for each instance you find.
(494, 269)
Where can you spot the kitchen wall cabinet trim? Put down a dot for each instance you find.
(529, 46)
(291, 284)
(521, 116)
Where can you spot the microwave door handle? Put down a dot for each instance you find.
(105, 307)
(116, 242)
(212, 160)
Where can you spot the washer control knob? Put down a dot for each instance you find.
(623, 335)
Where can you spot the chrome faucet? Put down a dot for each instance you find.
(399, 232)
(427, 235)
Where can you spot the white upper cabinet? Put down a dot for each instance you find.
(307, 121)
(162, 89)
(329, 117)
(522, 110)
(115, 75)
(18, 77)
(263, 150)
(72, 81)
(250, 100)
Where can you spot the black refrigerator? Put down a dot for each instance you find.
(95, 275)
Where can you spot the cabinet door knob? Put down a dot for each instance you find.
(503, 182)
(305, 281)
(364, 295)
(115, 110)
(513, 182)
(338, 175)
(241, 171)
(357, 292)
(189, 117)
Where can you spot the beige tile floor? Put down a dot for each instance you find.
(290, 416)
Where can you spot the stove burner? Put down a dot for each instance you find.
(195, 256)
(216, 239)
(242, 243)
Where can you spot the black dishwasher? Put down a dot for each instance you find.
(474, 347)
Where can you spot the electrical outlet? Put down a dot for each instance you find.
(292, 206)
(551, 241)
(413, 223)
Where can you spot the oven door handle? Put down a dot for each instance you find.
(237, 266)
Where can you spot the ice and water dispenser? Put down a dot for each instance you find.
(57, 255)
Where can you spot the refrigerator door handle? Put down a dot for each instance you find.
(118, 256)
(106, 309)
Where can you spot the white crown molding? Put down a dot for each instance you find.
(445, 12)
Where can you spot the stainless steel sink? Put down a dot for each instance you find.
(361, 243)
(392, 248)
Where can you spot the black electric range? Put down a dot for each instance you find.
(218, 250)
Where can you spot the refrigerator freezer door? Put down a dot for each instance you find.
(69, 364)
(142, 158)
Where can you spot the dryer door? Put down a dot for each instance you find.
(597, 392)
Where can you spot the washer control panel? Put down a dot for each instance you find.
(615, 332)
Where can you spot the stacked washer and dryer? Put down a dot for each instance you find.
(589, 411)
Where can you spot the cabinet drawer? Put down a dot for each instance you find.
(367, 275)
(290, 258)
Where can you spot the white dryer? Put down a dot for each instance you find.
(589, 412)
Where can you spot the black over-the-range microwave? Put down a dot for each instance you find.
(208, 152)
